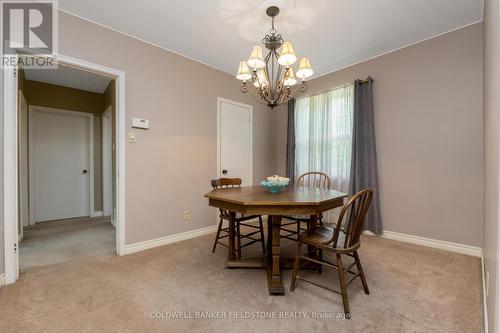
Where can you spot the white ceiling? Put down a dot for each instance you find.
(333, 33)
(69, 77)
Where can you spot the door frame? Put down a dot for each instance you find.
(10, 174)
(107, 169)
(90, 117)
(221, 100)
(22, 183)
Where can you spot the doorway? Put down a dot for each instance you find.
(234, 141)
(15, 176)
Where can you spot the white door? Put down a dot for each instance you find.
(59, 164)
(107, 174)
(235, 140)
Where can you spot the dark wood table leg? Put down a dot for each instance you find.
(269, 241)
(231, 254)
(275, 283)
(310, 227)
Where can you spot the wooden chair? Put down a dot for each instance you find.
(343, 239)
(312, 180)
(222, 232)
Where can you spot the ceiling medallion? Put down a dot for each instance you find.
(272, 79)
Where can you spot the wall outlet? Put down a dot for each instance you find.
(187, 215)
(487, 282)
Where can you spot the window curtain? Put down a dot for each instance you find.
(364, 154)
(290, 142)
(323, 135)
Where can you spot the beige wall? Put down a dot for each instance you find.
(428, 118)
(491, 162)
(169, 168)
(54, 96)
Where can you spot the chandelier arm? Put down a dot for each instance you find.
(255, 79)
(267, 59)
(282, 89)
(258, 97)
(254, 94)
(261, 90)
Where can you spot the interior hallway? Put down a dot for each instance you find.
(48, 243)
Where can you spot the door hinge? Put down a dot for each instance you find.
(15, 248)
(15, 72)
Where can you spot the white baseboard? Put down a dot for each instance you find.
(485, 305)
(96, 214)
(434, 243)
(141, 246)
(2, 280)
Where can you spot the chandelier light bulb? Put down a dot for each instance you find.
(243, 72)
(256, 59)
(305, 70)
(287, 56)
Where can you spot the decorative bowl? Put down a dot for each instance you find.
(275, 184)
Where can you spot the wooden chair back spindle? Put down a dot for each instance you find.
(241, 220)
(351, 220)
(314, 179)
(225, 183)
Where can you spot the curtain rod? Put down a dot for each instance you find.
(368, 79)
(337, 87)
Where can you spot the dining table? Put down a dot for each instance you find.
(256, 200)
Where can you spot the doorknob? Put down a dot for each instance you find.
(84, 172)
(224, 172)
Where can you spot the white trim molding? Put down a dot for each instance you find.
(10, 176)
(2, 280)
(96, 213)
(10, 170)
(485, 304)
(141, 246)
(429, 242)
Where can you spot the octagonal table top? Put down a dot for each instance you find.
(255, 197)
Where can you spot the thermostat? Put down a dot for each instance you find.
(140, 123)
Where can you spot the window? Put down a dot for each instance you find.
(323, 135)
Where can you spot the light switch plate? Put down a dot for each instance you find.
(140, 123)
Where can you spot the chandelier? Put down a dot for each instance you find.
(272, 80)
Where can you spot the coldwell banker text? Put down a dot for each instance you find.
(244, 315)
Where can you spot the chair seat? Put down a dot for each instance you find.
(321, 234)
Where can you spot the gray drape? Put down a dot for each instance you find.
(364, 171)
(290, 142)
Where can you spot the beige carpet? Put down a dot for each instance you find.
(54, 242)
(413, 289)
